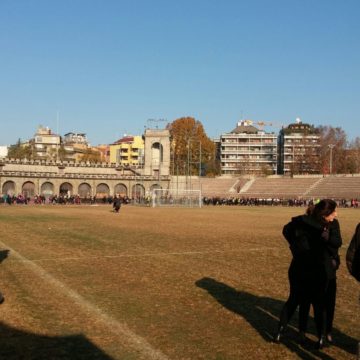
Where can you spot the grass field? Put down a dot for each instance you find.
(86, 283)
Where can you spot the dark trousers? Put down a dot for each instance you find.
(299, 296)
(330, 301)
(307, 290)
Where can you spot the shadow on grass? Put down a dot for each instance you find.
(16, 344)
(262, 314)
(3, 255)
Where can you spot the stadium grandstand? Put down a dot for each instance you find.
(306, 187)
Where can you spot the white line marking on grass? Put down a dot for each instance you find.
(147, 255)
(136, 342)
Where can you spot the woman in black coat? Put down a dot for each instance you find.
(314, 240)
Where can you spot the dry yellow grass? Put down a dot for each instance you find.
(86, 283)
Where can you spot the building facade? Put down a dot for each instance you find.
(248, 150)
(128, 151)
(3, 151)
(157, 152)
(74, 146)
(104, 150)
(45, 144)
(299, 147)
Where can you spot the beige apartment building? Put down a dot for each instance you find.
(74, 145)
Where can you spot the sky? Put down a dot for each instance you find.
(106, 67)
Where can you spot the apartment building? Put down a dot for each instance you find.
(75, 145)
(104, 151)
(248, 150)
(299, 147)
(45, 144)
(128, 151)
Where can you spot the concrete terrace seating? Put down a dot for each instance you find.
(218, 186)
(280, 187)
(337, 187)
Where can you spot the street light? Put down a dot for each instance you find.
(331, 146)
(189, 159)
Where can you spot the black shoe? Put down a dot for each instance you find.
(321, 343)
(279, 334)
(2, 299)
(302, 338)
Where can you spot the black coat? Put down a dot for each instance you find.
(314, 246)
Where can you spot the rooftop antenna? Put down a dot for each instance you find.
(156, 121)
(57, 133)
(57, 122)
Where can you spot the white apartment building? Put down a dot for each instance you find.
(3, 151)
(75, 138)
(248, 150)
(45, 144)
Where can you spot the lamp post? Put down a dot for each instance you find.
(190, 162)
(331, 146)
(200, 166)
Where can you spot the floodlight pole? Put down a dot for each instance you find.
(188, 161)
(190, 165)
(199, 158)
(331, 146)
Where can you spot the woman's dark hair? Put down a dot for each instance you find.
(323, 208)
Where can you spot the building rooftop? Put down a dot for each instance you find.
(125, 139)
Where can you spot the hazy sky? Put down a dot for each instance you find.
(104, 67)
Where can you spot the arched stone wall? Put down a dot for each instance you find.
(47, 189)
(102, 189)
(66, 188)
(121, 189)
(49, 180)
(9, 188)
(138, 191)
(28, 189)
(155, 186)
(84, 190)
(157, 153)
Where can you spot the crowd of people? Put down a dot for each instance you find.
(245, 201)
(62, 199)
(65, 198)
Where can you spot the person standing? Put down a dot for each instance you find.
(117, 203)
(314, 240)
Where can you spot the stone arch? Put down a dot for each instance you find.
(102, 190)
(84, 190)
(120, 189)
(157, 153)
(138, 191)
(8, 188)
(66, 189)
(47, 189)
(155, 186)
(28, 189)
